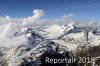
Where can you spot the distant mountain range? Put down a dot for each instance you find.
(56, 41)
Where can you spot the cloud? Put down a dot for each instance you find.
(8, 19)
(68, 16)
(36, 20)
(37, 14)
(7, 38)
(5, 19)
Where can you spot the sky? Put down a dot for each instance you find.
(82, 9)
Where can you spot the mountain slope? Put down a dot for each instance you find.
(30, 47)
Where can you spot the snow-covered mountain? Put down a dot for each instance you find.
(30, 46)
(74, 34)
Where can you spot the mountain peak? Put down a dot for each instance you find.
(71, 27)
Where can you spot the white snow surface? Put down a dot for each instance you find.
(70, 46)
(54, 31)
(94, 39)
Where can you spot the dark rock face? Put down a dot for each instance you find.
(90, 52)
(51, 55)
(59, 52)
(25, 63)
(55, 55)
